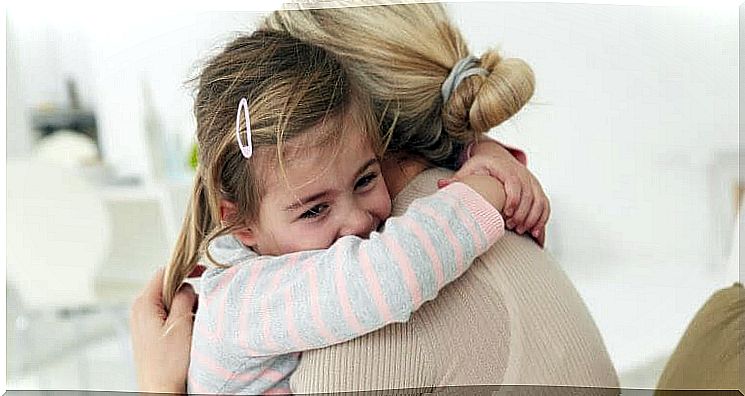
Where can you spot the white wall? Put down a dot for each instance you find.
(18, 139)
(633, 131)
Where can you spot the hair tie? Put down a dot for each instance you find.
(247, 149)
(463, 69)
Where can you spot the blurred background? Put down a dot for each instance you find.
(633, 132)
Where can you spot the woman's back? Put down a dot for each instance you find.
(512, 318)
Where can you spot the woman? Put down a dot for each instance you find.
(514, 317)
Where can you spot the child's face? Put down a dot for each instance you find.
(327, 198)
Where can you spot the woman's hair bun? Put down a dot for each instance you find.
(480, 103)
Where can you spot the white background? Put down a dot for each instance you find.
(633, 131)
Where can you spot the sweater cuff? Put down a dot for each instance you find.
(485, 214)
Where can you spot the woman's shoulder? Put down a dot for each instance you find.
(424, 184)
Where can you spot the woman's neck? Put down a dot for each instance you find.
(401, 168)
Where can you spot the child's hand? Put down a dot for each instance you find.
(489, 188)
(527, 207)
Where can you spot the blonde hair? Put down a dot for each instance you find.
(290, 86)
(401, 54)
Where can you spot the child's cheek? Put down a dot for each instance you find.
(383, 200)
(314, 236)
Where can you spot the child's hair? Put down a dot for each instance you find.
(401, 55)
(290, 86)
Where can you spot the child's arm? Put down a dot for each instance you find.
(313, 299)
(527, 207)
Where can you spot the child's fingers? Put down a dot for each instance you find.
(526, 202)
(542, 194)
(513, 192)
(546, 214)
(539, 235)
(533, 216)
(540, 202)
(547, 211)
(541, 239)
(539, 229)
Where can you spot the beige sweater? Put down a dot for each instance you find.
(512, 318)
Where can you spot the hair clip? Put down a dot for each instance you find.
(247, 149)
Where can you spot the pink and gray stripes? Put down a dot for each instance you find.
(255, 316)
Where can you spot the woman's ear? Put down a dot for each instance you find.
(246, 235)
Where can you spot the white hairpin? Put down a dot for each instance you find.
(247, 149)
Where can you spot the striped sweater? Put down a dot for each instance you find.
(258, 313)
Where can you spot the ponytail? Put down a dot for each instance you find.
(195, 228)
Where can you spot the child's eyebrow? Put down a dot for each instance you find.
(300, 202)
(364, 167)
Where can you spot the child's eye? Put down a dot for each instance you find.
(365, 180)
(314, 211)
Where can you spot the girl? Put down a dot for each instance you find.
(284, 225)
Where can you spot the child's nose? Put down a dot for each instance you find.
(357, 222)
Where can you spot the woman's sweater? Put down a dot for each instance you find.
(513, 318)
